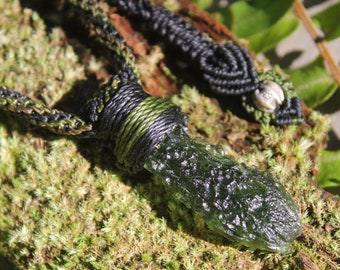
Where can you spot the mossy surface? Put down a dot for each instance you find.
(64, 205)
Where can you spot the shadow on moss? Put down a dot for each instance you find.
(65, 205)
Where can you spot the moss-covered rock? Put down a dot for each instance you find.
(65, 205)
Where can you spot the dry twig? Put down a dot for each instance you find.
(319, 40)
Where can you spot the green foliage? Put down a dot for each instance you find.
(203, 4)
(329, 175)
(264, 24)
(261, 23)
(327, 20)
(313, 83)
(260, 14)
(268, 39)
(64, 206)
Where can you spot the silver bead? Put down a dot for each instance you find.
(268, 96)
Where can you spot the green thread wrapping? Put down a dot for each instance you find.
(136, 125)
(211, 184)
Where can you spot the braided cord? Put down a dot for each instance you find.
(122, 112)
(39, 114)
(241, 203)
(227, 68)
(107, 34)
(135, 122)
(138, 7)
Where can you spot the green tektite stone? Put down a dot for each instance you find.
(241, 203)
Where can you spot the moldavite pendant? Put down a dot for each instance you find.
(241, 203)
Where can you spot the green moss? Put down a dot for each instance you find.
(64, 205)
(31, 61)
(204, 117)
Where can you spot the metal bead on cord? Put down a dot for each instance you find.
(198, 175)
(227, 68)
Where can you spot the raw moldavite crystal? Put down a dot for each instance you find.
(241, 203)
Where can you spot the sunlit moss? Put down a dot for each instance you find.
(31, 61)
(65, 205)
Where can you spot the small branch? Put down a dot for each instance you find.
(301, 12)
